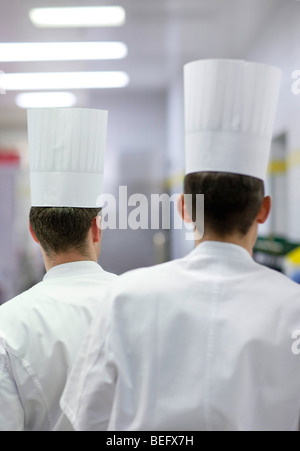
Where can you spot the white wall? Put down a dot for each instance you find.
(135, 157)
(20, 259)
(175, 158)
(279, 44)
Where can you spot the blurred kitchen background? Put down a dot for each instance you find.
(145, 147)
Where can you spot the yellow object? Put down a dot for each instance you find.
(294, 257)
(277, 167)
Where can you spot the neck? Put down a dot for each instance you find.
(67, 257)
(246, 241)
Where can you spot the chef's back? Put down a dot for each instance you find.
(205, 344)
(41, 332)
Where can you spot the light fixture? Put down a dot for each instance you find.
(100, 16)
(63, 80)
(61, 51)
(45, 99)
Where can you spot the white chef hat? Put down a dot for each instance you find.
(230, 108)
(66, 150)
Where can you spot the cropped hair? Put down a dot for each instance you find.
(60, 229)
(231, 201)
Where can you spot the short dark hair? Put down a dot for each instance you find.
(60, 229)
(231, 201)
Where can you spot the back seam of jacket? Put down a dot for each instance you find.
(210, 357)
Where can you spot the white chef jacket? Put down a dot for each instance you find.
(200, 343)
(40, 334)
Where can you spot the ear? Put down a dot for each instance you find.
(33, 234)
(264, 210)
(96, 229)
(182, 209)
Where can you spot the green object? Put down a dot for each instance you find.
(271, 251)
(275, 245)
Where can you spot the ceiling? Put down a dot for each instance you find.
(161, 36)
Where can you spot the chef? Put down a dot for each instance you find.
(202, 343)
(41, 329)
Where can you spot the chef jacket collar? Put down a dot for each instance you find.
(73, 269)
(222, 250)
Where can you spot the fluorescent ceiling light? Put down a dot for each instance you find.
(46, 99)
(63, 80)
(101, 16)
(61, 51)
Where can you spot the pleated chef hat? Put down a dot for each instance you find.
(66, 149)
(230, 108)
